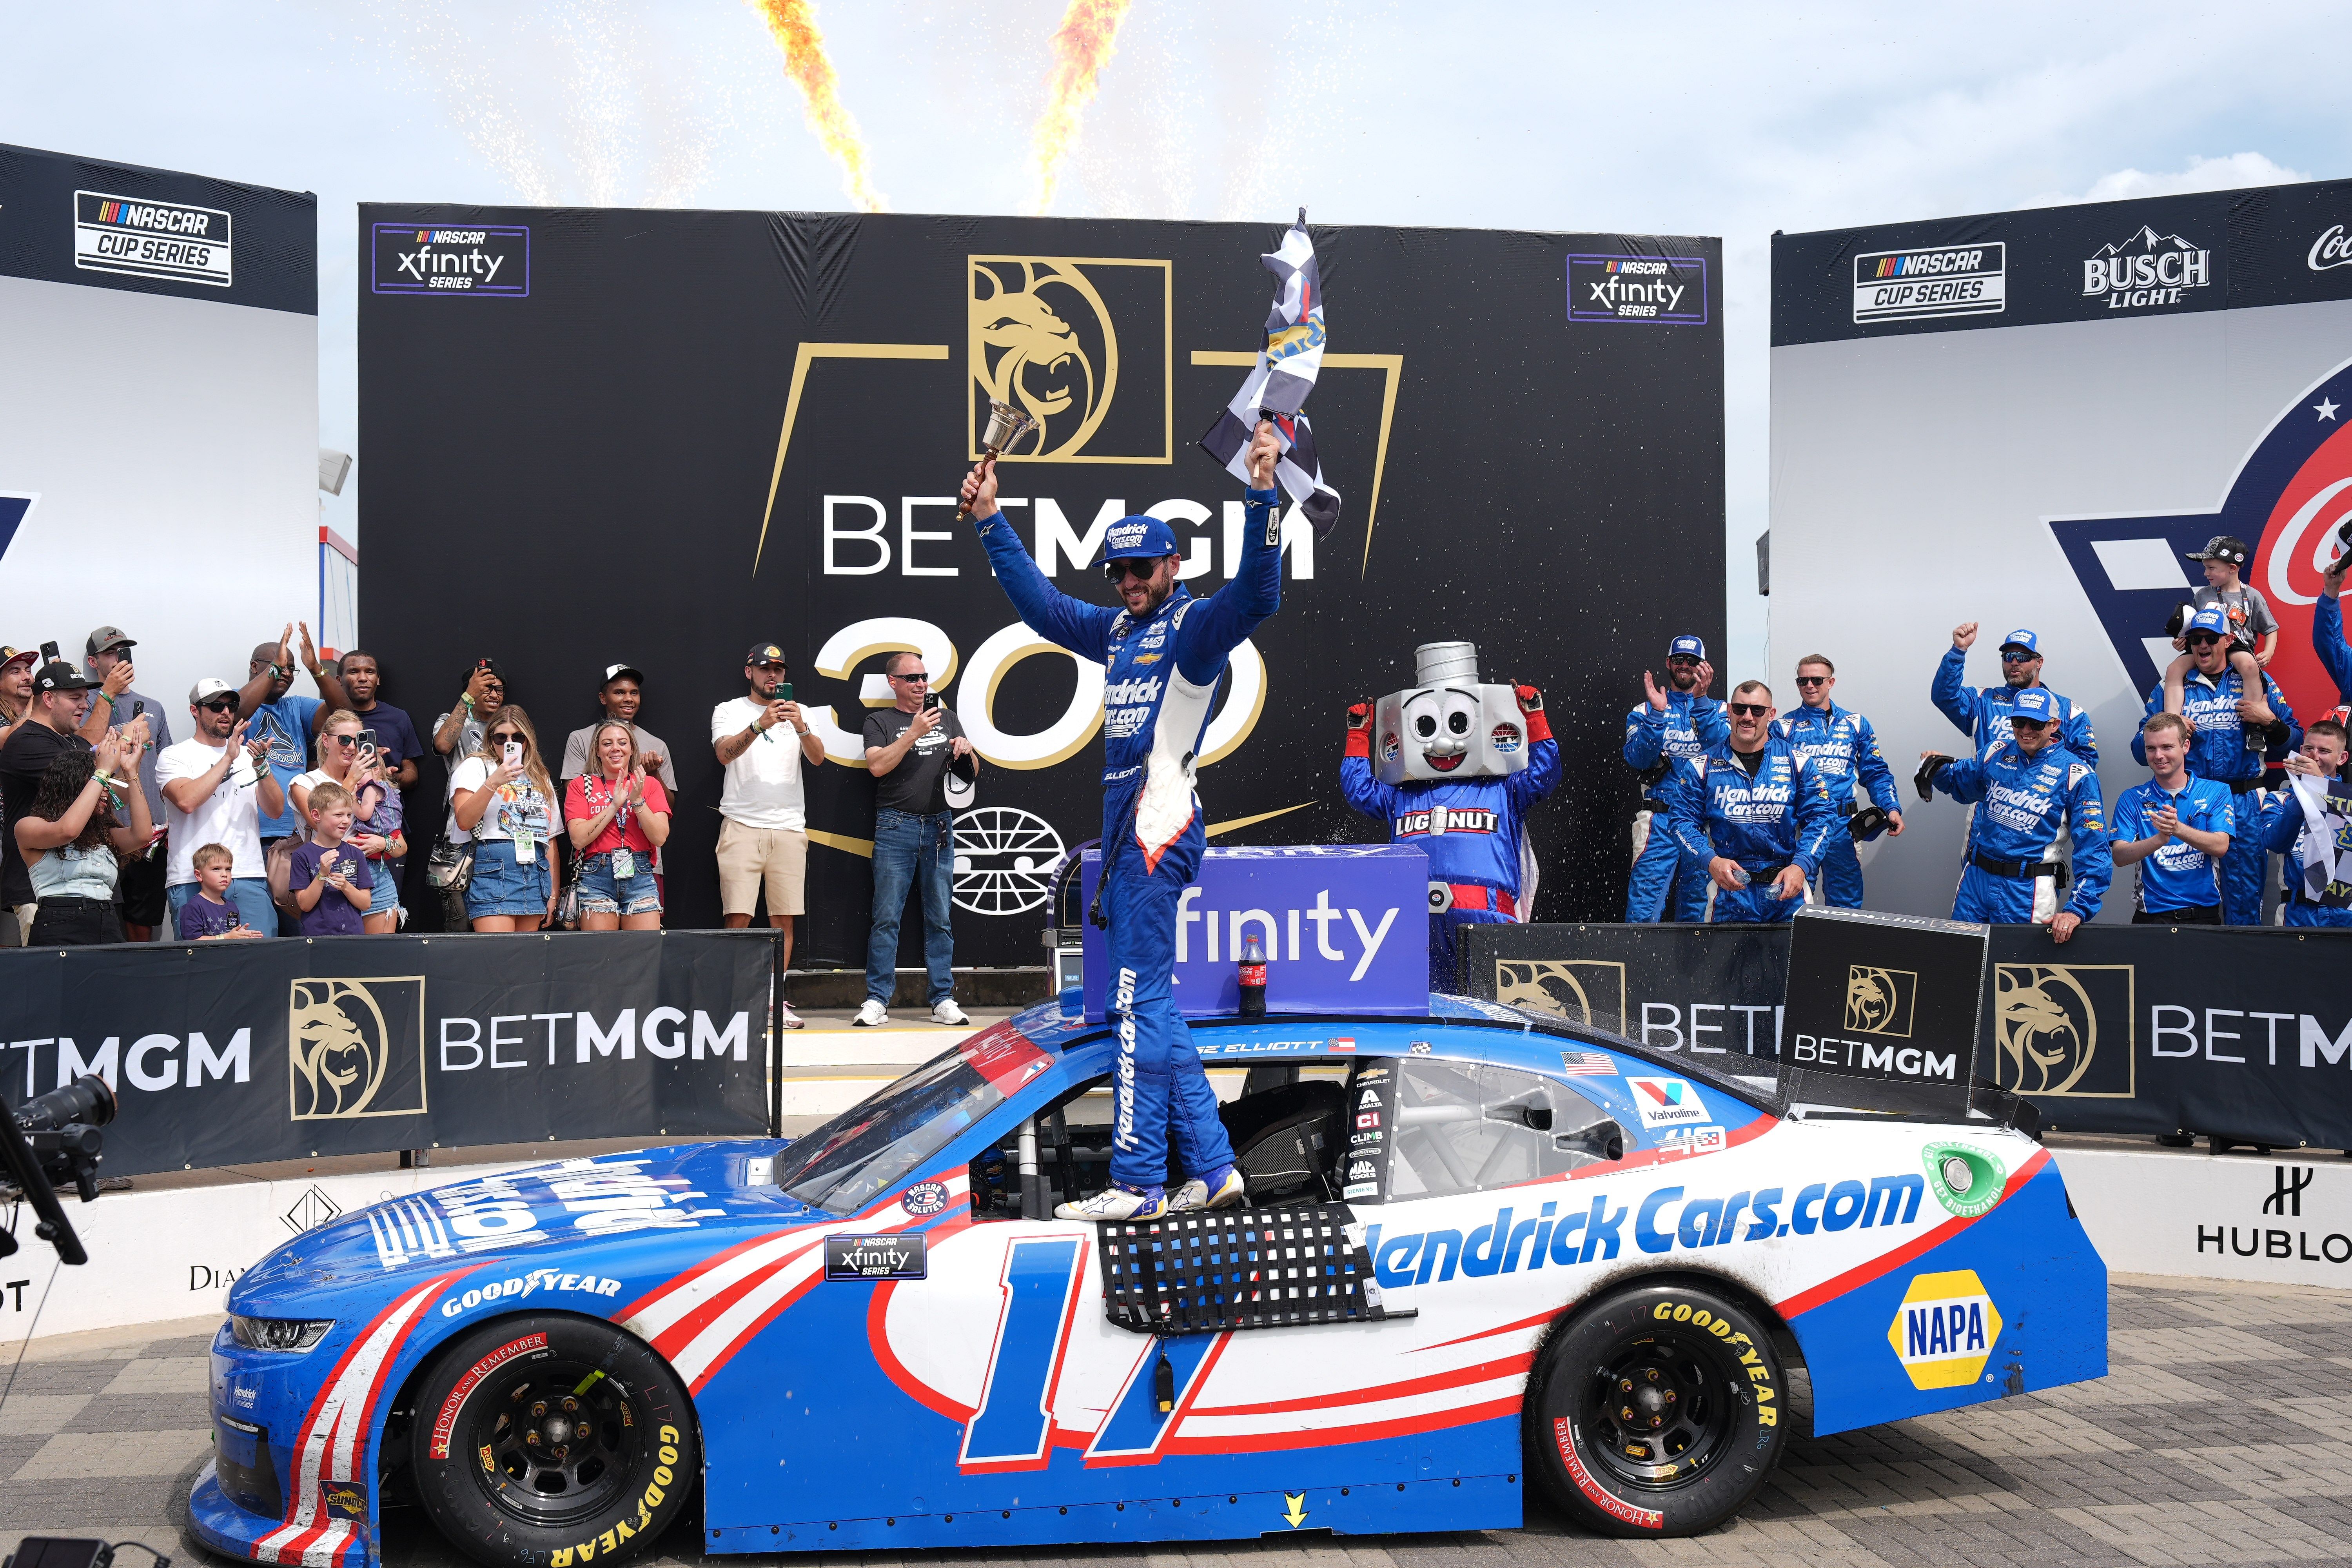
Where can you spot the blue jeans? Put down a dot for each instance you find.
(917, 851)
(249, 896)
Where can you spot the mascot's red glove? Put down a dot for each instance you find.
(1531, 704)
(1360, 730)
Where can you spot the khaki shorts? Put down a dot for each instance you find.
(751, 855)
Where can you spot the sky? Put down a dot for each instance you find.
(1690, 118)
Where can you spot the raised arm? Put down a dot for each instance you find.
(2327, 635)
(1217, 625)
(1361, 787)
(1065, 622)
(1948, 691)
(1541, 775)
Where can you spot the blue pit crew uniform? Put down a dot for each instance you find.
(2281, 828)
(1160, 676)
(1667, 883)
(1776, 818)
(1982, 713)
(1839, 745)
(2178, 878)
(2327, 642)
(1474, 832)
(2218, 751)
(2011, 872)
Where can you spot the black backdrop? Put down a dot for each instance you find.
(581, 474)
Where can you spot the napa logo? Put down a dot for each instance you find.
(1944, 1330)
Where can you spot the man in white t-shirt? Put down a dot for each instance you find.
(217, 792)
(764, 838)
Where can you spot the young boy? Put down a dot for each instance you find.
(2248, 615)
(329, 879)
(209, 916)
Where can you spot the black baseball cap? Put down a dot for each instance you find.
(765, 652)
(490, 664)
(613, 672)
(2222, 547)
(58, 675)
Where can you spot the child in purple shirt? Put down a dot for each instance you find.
(329, 879)
(208, 915)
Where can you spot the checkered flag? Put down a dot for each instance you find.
(1277, 386)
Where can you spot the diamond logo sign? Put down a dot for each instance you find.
(1944, 1331)
(312, 1210)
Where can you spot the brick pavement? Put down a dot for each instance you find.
(2219, 1437)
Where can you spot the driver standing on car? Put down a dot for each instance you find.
(1164, 653)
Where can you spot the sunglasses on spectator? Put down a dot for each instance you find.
(1750, 709)
(2017, 655)
(345, 741)
(2203, 639)
(1134, 566)
(503, 736)
(915, 680)
(1811, 680)
(219, 705)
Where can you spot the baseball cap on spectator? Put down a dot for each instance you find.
(2222, 547)
(2022, 638)
(109, 639)
(10, 655)
(58, 675)
(2213, 619)
(1140, 536)
(613, 672)
(1686, 646)
(2033, 702)
(761, 653)
(210, 686)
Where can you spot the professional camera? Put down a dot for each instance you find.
(49, 1141)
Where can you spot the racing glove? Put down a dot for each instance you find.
(1531, 704)
(1924, 780)
(1360, 730)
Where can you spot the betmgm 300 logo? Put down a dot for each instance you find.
(2064, 1030)
(1084, 346)
(355, 1047)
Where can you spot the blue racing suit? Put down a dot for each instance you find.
(2327, 642)
(1839, 745)
(2218, 749)
(1658, 741)
(1778, 816)
(1161, 673)
(1983, 715)
(2282, 830)
(2012, 873)
(1475, 834)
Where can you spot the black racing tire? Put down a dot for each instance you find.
(1656, 1411)
(502, 1468)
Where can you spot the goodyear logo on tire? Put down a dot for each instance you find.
(1944, 1330)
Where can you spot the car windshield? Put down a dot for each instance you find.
(870, 1148)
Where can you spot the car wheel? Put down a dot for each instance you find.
(553, 1440)
(1656, 1411)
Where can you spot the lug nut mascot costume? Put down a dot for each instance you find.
(1164, 655)
(1460, 764)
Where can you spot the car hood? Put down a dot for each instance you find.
(537, 1216)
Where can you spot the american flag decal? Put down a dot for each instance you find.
(1587, 1064)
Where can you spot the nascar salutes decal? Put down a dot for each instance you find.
(1945, 1329)
(2285, 497)
(1667, 1102)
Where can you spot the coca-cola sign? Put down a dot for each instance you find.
(2332, 248)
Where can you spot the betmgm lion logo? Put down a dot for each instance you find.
(1878, 1001)
(1059, 338)
(356, 1048)
(2064, 1030)
(1587, 991)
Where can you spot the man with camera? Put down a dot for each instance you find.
(217, 789)
(2032, 790)
(141, 888)
(1839, 745)
(909, 747)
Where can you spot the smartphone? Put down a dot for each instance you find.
(784, 691)
(514, 752)
(930, 700)
(49, 652)
(136, 709)
(367, 741)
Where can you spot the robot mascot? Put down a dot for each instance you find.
(1459, 764)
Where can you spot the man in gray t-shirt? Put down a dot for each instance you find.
(907, 747)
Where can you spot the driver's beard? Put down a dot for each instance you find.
(1683, 681)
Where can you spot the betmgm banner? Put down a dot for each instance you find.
(159, 415)
(241, 1053)
(2025, 420)
(2245, 1033)
(658, 437)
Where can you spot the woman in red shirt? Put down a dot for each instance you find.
(617, 817)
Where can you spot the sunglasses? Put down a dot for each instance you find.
(1135, 566)
(2012, 656)
(2031, 726)
(1683, 660)
(1750, 709)
(2203, 639)
(220, 705)
(503, 736)
(1812, 679)
(915, 680)
(345, 741)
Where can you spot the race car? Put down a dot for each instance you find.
(1483, 1250)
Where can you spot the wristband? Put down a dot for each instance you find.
(101, 775)
(467, 699)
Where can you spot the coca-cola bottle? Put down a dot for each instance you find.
(1253, 965)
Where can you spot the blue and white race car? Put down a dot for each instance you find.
(1484, 1250)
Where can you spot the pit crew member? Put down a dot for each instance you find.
(2176, 827)
(2032, 789)
(1983, 715)
(1674, 723)
(1755, 815)
(1840, 744)
(2310, 822)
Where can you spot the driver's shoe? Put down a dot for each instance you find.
(1222, 1188)
(1118, 1202)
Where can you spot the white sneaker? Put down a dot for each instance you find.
(1194, 1194)
(1115, 1202)
(870, 1013)
(791, 1020)
(947, 1012)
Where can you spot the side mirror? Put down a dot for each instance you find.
(1602, 1140)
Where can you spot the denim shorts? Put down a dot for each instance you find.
(383, 889)
(500, 887)
(600, 894)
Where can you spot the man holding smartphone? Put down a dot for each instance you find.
(139, 887)
(218, 788)
(907, 747)
(762, 741)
